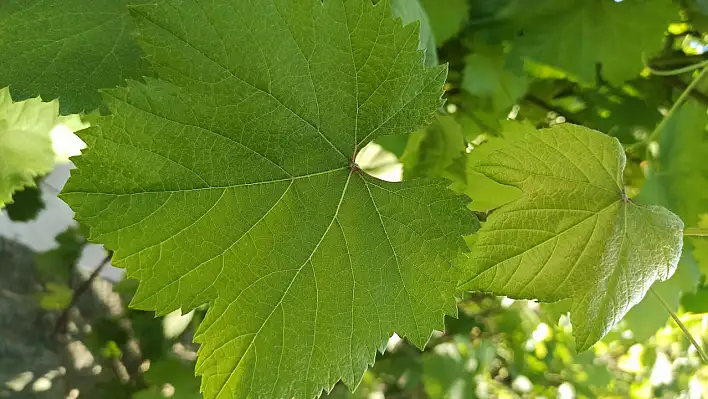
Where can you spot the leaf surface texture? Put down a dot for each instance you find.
(573, 234)
(230, 182)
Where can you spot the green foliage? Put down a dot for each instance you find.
(578, 36)
(67, 49)
(239, 184)
(25, 146)
(447, 17)
(180, 377)
(486, 76)
(436, 151)
(573, 233)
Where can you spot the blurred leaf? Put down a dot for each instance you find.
(111, 351)
(56, 297)
(447, 17)
(574, 233)
(617, 113)
(67, 49)
(679, 177)
(26, 204)
(183, 384)
(448, 373)
(696, 302)
(25, 145)
(487, 76)
(57, 265)
(433, 151)
(577, 35)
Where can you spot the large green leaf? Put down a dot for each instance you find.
(25, 145)
(232, 183)
(67, 49)
(573, 233)
(578, 35)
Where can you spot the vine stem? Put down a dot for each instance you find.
(682, 98)
(678, 71)
(683, 328)
(695, 232)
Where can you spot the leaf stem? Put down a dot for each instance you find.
(677, 71)
(679, 102)
(695, 232)
(683, 328)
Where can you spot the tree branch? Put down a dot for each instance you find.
(60, 326)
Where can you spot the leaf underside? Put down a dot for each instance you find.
(25, 144)
(230, 182)
(573, 234)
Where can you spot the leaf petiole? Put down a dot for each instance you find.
(695, 232)
(683, 328)
(682, 98)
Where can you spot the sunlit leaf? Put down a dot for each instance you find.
(573, 233)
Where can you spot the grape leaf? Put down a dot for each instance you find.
(25, 145)
(447, 17)
(67, 50)
(578, 35)
(231, 182)
(573, 233)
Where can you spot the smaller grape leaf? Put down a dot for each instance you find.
(25, 145)
(573, 233)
